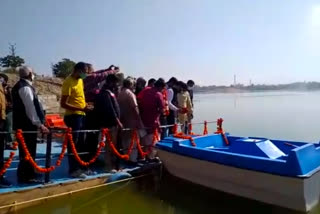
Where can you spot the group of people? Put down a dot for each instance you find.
(102, 99)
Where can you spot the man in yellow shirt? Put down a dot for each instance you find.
(73, 101)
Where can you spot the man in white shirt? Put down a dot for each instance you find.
(173, 109)
(27, 115)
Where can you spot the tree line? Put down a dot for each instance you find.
(10, 62)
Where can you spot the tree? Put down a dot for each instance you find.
(11, 60)
(63, 68)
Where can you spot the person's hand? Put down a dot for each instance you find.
(120, 124)
(89, 107)
(110, 67)
(44, 130)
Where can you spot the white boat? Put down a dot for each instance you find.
(276, 172)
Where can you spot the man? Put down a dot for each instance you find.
(27, 115)
(95, 79)
(190, 85)
(151, 82)
(92, 85)
(3, 79)
(73, 101)
(8, 123)
(140, 85)
(151, 106)
(130, 116)
(172, 102)
(108, 111)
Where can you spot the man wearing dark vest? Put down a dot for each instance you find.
(27, 115)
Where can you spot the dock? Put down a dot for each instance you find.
(20, 196)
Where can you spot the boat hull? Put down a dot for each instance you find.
(300, 194)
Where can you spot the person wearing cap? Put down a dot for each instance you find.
(28, 115)
(3, 79)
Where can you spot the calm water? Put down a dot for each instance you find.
(282, 115)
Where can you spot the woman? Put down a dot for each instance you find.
(130, 117)
(184, 104)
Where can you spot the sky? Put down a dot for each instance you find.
(209, 41)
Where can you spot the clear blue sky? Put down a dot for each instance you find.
(268, 41)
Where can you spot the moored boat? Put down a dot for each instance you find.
(282, 173)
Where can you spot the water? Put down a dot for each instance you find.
(279, 115)
(282, 115)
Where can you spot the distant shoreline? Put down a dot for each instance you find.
(250, 91)
(294, 87)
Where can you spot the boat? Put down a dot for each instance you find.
(277, 172)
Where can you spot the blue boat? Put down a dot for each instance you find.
(282, 173)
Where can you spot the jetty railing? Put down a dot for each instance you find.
(105, 137)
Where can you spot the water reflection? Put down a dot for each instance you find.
(174, 197)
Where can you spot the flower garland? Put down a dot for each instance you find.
(186, 137)
(68, 138)
(220, 130)
(107, 135)
(205, 128)
(7, 164)
(28, 157)
(166, 104)
(175, 129)
(76, 155)
(64, 148)
(155, 139)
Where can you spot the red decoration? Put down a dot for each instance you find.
(220, 130)
(187, 137)
(175, 129)
(28, 157)
(107, 135)
(166, 103)
(76, 155)
(7, 164)
(155, 139)
(205, 128)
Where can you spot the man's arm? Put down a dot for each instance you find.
(27, 97)
(160, 102)
(170, 98)
(64, 104)
(112, 110)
